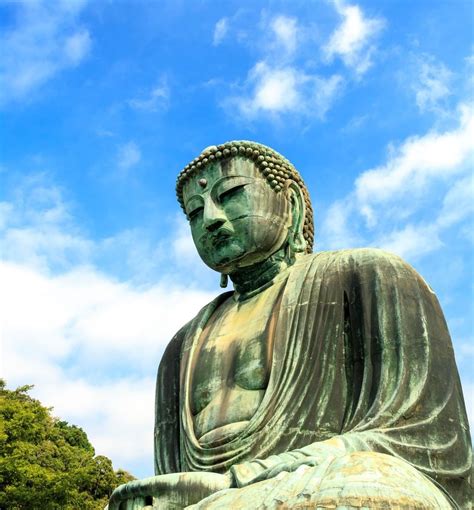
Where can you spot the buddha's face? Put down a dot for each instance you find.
(236, 218)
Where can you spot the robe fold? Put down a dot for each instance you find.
(361, 351)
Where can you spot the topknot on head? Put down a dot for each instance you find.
(275, 168)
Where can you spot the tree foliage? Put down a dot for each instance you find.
(47, 464)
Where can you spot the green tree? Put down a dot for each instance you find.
(47, 464)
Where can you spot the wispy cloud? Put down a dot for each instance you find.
(37, 227)
(432, 83)
(283, 82)
(156, 99)
(352, 40)
(47, 39)
(418, 161)
(129, 155)
(90, 342)
(77, 46)
(91, 346)
(285, 31)
(436, 167)
(274, 90)
(412, 241)
(278, 84)
(220, 31)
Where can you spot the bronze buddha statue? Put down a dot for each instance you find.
(323, 380)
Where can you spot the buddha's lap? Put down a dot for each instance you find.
(357, 480)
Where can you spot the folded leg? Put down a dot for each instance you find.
(358, 480)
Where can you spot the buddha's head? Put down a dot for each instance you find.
(244, 202)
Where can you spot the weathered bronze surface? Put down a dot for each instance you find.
(323, 380)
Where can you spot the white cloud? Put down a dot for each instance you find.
(129, 155)
(274, 90)
(183, 244)
(283, 81)
(285, 30)
(352, 39)
(89, 342)
(432, 84)
(335, 230)
(104, 323)
(37, 228)
(412, 241)
(419, 161)
(432, 172)
(356, 123)
(220, 31)
(77, 46)
(157, 99)
(117, 415)
(283, 90)
(458, 203)
(47, 39)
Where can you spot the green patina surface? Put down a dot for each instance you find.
(323, 380)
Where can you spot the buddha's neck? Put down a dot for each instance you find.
(251, 280)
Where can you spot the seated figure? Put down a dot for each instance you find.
(324, 380)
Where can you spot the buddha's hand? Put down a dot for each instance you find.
(177, 489)
(312, 455)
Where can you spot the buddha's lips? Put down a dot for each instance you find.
(214, 239)
(220, 238)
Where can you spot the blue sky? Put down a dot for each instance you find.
(103, 102)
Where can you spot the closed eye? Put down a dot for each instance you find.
(227, 194)
(195, 213)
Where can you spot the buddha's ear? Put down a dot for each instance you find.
(298, 210)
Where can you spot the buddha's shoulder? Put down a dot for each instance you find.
(353, 260)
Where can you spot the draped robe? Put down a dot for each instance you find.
(361, 352)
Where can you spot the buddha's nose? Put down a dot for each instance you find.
(213, 216)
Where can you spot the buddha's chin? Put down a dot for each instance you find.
(240, 263)
(227, 265)
(227, 259)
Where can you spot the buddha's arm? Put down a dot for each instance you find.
(410, 404)
(262, 469)
(172, 490)
(167, 444)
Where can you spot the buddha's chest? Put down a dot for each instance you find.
(235, 351)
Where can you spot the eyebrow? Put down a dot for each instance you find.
(196, 195)
(192, 198)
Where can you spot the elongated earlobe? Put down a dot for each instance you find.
(296, 240)
(224, 280)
